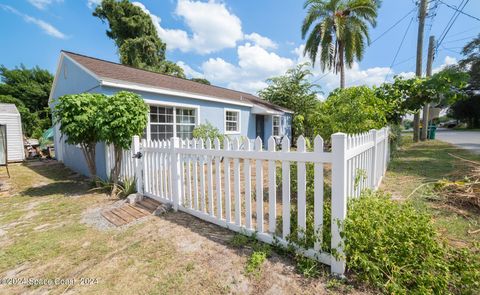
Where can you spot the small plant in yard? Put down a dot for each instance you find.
(127, 186)
(394, 247)
(255, 261)
(260, 252)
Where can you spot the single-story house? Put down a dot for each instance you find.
(11, 124)
(176, 105)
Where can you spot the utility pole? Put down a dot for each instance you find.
(431, 45)
(418, 69)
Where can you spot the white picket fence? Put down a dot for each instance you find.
(225, 184)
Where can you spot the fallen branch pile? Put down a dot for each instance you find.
(465, 192)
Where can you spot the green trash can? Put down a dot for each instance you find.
(432, 130)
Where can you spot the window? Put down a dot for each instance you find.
(276, 125)
(167, 122)
(185, 123)
(232, 121)
(161, 122)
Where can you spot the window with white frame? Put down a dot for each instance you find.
(232, 121)
(167, 122)
(276, 126)
(185, 123)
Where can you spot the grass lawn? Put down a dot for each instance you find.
(44, 235)
(425, 162)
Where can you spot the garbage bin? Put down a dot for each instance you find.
(432, 129)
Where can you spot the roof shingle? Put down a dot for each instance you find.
(114, 71)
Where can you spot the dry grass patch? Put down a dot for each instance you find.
(43, 235)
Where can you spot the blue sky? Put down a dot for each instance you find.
(237, 44)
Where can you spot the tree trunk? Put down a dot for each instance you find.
(115, 171)
(89, 154)
(342, 64)
(416, 126)
(423, 135)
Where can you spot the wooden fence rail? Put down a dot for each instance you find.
(249, 189)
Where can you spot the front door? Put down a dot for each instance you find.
(260, 126)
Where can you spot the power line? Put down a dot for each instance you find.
(450, 23)
(400, 47)
(459, 11)
(321, 77)
(456, 40)
(393, 26)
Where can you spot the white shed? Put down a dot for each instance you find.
(10, 117)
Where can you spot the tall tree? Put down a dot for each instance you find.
(136, 37)
(30, 86)
(29, 90)
(295, 92)
(340, 28)
(471, 62)
(467, 109)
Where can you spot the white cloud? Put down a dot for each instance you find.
(448, 61)
(261, 41)
(46, 27)
(212, 27)
(255, 65)
(92, 3)
(189, 71)
(42, 4)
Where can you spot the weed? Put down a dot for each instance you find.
(255, 261)
(307, 267)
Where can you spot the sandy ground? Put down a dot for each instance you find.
(51, 228)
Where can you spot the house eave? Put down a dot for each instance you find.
(158, 90)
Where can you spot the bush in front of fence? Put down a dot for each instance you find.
(394, 247)
(310, 236)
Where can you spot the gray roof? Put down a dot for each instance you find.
(118, 72)
(8, 108)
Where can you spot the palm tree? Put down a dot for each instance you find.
(340, 32)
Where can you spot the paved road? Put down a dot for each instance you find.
(469, 140)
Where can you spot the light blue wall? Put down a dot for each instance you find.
(72, 80)
(210, 111)
(285, 124)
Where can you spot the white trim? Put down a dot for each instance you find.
(239, 131)
(260, 110)
(151, 102)
(59, 66)
(83, 68)
(55, 79)
(280, 129)
(158, 90)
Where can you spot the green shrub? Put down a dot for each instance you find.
(394, 247)
(350, 110)
(310, 235)
(207, 130)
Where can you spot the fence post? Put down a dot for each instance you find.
(373, 177)
(386, 150)
(339, 198)
(175, 170)
(138, 173)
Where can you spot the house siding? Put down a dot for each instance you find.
(72, 79)
(209, 111)
(14, 136)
